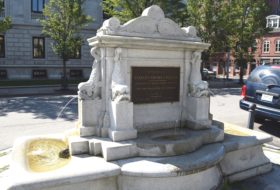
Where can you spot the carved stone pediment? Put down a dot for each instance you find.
(151, 24)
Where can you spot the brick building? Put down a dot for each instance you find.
(268, 46)
(26, 54)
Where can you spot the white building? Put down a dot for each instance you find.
(25, 53)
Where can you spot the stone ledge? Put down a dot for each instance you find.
(210, 178)
(250, 172)
(237, 137)
(200, 160)
(80, 169)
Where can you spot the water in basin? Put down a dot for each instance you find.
(43, 155)
(169, 137)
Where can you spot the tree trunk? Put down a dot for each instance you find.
(241, 70)
(64, 82)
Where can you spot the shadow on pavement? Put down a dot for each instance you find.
(271, 127)
(226, 91)
(42, 107)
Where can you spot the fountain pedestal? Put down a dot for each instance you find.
(122, 121)
(146, 79)
(144, 118)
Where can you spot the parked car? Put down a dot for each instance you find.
(263, 89)
(206, 74)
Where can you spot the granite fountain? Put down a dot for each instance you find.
(144, 120)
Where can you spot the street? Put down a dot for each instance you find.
(225, 107)
(35, 115)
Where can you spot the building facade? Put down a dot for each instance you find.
(25, 53)
(268, 46)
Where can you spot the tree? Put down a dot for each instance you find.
(208, 18)
(126, 10)
(64, 20)
(229, 24)
(5, 23)
(249, 18)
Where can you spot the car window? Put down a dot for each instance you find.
(266, 75)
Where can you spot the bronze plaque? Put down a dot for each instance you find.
(155, 84)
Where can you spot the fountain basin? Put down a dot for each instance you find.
(83, 172)
(172, 142)
(211, 163)
(42, 155)
(39, 153)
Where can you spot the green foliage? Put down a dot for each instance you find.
(5, 23)
(206, 16)
(128, 9)
(64, 20)
(229, 23)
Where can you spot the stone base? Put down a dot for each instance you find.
(87, 131)
(94, 173)
(236, 158)
(197, 111)
(198, 125)
(244, 156)
(176, 173)
(78, 146)
(121, 128)
(85, 173)
(89, 111)
(204, 180)
(244, 174)
(122, 135)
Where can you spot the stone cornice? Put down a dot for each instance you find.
(141, 42)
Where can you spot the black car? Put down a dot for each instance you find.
(263, 89)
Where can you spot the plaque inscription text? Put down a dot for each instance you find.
(155, 84)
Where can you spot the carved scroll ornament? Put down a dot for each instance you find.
(120, 90)
(90, 90)
(197, 87)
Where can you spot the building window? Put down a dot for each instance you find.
(2, 46)
(3, 74)
(76, 74)
(37, 6)
(39, 74)
(265, 61)
(277, 46)
(38, 47)
(276, 61)
(266, 46)
(273, 23)
(77, 54)
(2, 12)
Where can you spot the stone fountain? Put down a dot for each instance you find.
(144, 120)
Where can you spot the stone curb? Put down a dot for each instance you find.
(10, 91)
